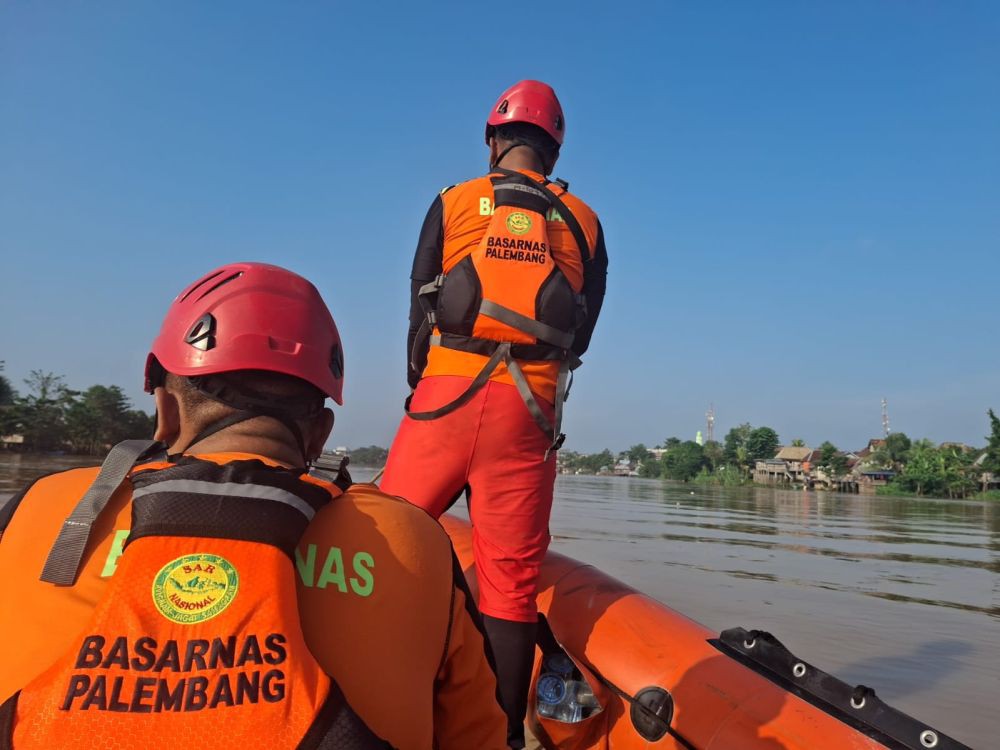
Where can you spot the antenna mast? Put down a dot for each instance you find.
(710, 423)
(885, 418)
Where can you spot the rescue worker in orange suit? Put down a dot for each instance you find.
(207, 591)
(507, 284)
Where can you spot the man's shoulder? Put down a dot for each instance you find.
(385, 514)
(580, 208)
(61, 488)
(466, 187)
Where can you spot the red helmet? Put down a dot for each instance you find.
(251, 316)
(532, 102)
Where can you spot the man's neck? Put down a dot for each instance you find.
(276, 449)
(522, 157)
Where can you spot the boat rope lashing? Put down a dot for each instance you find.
(540, 311)
(63, 562)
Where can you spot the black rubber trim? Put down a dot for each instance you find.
(7, 713)
(337, 726)
(768, 657)
(224, 516)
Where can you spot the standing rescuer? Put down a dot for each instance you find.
(507, 284)
(206, 591)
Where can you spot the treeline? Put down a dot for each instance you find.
(51, 416)
(371, 455)
(947, 470)
(920, 467)
(729, 462)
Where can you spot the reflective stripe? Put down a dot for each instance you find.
(230, 489)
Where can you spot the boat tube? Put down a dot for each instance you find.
(618, 669)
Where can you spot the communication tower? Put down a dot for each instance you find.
(710, 423)
(885, 418)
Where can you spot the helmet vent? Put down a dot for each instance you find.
(198, 284)
(337, 362)
(502, 109)
(202, 333)
(559, 123)
(226, 280)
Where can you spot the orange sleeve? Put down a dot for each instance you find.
(466, 711)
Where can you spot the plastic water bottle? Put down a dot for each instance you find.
(562, 694)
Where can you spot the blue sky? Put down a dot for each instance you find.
(801, 200)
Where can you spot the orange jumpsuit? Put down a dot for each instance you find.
(491, 445)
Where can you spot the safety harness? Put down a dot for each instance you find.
(199, 629)
(508, 300)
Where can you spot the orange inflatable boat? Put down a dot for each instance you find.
(617, 670)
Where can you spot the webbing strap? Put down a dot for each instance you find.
(523, 323)
(521, 383)
(63, 563)
(571, 223)
(501, 354)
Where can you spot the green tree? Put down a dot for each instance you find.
(99, 418)
(372, 455)
(831, 460)
(7, 392)
(992, 462)
(893, 453)
(798, 443)
(684, 462)
(736, 439)
(761, 444)
(40, 415)
(671, 442)
(714, 454)
(650, 468)
(8, 414)
(638, 454)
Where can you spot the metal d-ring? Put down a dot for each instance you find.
(799, 669)
(928, 738)
(857, 704)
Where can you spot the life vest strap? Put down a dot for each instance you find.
(522, 352)
(503, 352)
(63, 563)
(500, 354)
(524, 324)
(571, 221)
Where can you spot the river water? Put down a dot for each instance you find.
(899, 594)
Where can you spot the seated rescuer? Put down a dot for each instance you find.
(217, 593)
(507, 283)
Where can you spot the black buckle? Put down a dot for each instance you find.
(558, 442)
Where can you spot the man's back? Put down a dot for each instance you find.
(382, 606)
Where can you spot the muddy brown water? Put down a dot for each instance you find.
(896, 593)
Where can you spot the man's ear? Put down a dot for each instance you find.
(319, 431)
(168, 416)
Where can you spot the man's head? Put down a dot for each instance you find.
(527, 115)
(244, 361)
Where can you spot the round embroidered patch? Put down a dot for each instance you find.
(519, 223)
(195, 588)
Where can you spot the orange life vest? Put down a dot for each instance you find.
(508, 300)
(197, 639)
